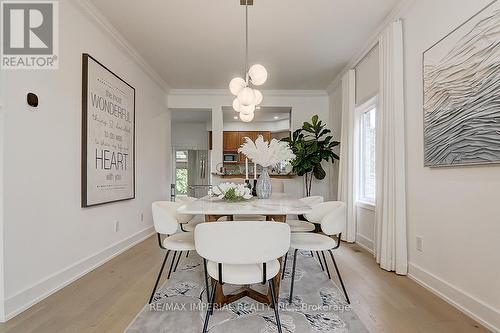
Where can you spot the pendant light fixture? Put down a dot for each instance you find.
(247, 97)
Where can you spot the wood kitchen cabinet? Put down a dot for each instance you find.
(231, 141)
(266, 135)
(242, 136)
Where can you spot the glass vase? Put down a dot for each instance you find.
(264, 188)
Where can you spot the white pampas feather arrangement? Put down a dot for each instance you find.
(266, 153)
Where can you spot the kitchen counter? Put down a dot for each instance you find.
(242, 176)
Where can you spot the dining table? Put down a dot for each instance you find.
(275, 209)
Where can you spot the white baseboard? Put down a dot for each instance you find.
(365, 243)
(23, 300)
(471, 306)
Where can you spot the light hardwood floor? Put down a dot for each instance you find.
(109, 297)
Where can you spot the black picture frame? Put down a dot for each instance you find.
(85, 126)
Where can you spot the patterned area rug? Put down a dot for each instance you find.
(318, 305)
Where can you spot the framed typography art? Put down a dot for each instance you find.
(108, 135)
(461, 93)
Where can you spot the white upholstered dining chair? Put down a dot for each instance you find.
(166, 222)
(305, 225)
(278, 185)
(333, 219)
(188, 222)
(241, 253)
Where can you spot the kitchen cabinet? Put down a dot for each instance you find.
(231, 141)
(242, 136)
(266, 135)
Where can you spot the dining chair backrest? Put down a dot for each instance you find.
(233, 180)
(184, 218)
(165, 216)
(242, 242)
(320, 209)
(278, 185)
(312, 200)
(335, 221)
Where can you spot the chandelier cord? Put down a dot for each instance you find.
(246, 40)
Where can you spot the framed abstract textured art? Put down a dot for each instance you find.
(461, 76)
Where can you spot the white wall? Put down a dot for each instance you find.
(304, 105)
(365, 226)
(272, 126)
(190, 135)
(367, 81)
(2, 196)
(335, 110)
(455, 210)
(48, 239)
(367, 75)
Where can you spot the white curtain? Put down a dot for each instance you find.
(390, 226)
(347, 186)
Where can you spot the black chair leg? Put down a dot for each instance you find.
(206, 279)
(340, 278)
(293, 275)
(178, 259)
(209, 309)
(158, 278)
(187, 254)
(214, 283)
(320, 262)
(284, 266)
(326, 264)
(171, 265)
(275, 304)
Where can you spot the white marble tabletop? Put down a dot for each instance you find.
(278, 204)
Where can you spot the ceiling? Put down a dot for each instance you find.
(195, 44)
(264, 114)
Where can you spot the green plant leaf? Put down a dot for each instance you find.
(314, 119)
(312, 145)
(319, 172)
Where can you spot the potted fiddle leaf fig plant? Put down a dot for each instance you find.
(312, 144)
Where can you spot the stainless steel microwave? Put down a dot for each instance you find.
(230, 157)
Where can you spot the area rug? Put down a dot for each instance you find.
(318, 305)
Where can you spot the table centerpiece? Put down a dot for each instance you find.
(266, 154)
(230, 192)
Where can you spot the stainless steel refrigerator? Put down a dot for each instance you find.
(198, 173)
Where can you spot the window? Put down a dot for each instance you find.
(181, 184)
(366, 160)
(181, 172)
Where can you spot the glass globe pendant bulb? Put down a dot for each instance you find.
(258, 74)
(247, 109)
(246, 117)
(236, 85)
(258, 97)
(246, 96)
(236, 105)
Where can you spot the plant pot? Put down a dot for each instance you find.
(264, 188)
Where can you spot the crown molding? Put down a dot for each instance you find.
(225, 92)
(395, 14)
(88, 9)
